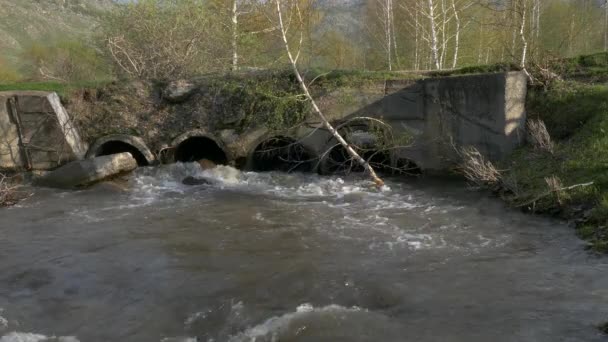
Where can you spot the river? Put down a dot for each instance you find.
(290, 257)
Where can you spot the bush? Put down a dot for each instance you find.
(539, 136)
(477, 169)
(161, 40)
(8, 192)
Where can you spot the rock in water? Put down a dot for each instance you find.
(195, 181)
(89, 171)
(178, 91)
(206, 164)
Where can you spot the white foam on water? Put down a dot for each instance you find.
(179, 339)
(3, 321)
(278, 324)
(33, 337)
(371, 215)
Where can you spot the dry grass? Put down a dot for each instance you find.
(539, 136)
(477, 169)
(9, 194)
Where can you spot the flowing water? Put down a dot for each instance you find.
(277, 257)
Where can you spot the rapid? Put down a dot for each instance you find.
(290, 257)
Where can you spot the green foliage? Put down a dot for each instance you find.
(479, 69)
(352, 78)
(273, 100)
(63, 89)
(577, 117)
(566, 106)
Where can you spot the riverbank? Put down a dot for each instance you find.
(571, 180)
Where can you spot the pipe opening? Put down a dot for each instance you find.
(374, 144)
(115, 146)
(282, 154)
(338, 161)
(197, 148)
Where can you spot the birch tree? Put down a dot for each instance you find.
(293, 60)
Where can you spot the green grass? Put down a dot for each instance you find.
(577, 118)
(62, 89)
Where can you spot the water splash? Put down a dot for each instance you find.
(33, 337)
(274, 327)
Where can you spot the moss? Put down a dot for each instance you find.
(566, 106)
(273, 100)
(478, 69)
(331, 79)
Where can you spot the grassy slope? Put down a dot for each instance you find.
(25, 21)
(576, 115)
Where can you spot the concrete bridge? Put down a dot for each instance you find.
(425, 118)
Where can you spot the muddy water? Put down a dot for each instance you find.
(276, 257)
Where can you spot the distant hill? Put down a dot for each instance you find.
(25, 21)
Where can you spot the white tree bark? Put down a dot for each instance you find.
(387, 33)
(606, 25)
(433, 40)
(235, 35)
(417, 47)
(444, 38)
(522, 35)
(537, 6)
(294, 64)
(457, 35)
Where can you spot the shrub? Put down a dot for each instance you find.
(153, 39)
(477, 169)
(539, 136)
(8, 192)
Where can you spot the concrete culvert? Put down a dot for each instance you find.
(282, 154)
(200, 147)
(114, 144)
(338, 161)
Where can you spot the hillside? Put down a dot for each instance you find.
(25, 21)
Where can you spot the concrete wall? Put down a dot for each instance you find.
(36, 132)
(437, 114)
(486, 111)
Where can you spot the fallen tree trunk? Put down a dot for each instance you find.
(293, 61)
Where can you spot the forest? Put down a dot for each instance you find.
(162, 39)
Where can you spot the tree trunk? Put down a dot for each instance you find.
(434, 49)
(235, 36)
(416, 53)
(293, 61)
(522, 35)
(457, 36)
(386, 7)
(606, 25)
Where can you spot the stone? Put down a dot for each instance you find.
(178, 91)
(206, 164)
(195, 181)
(89, 171)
